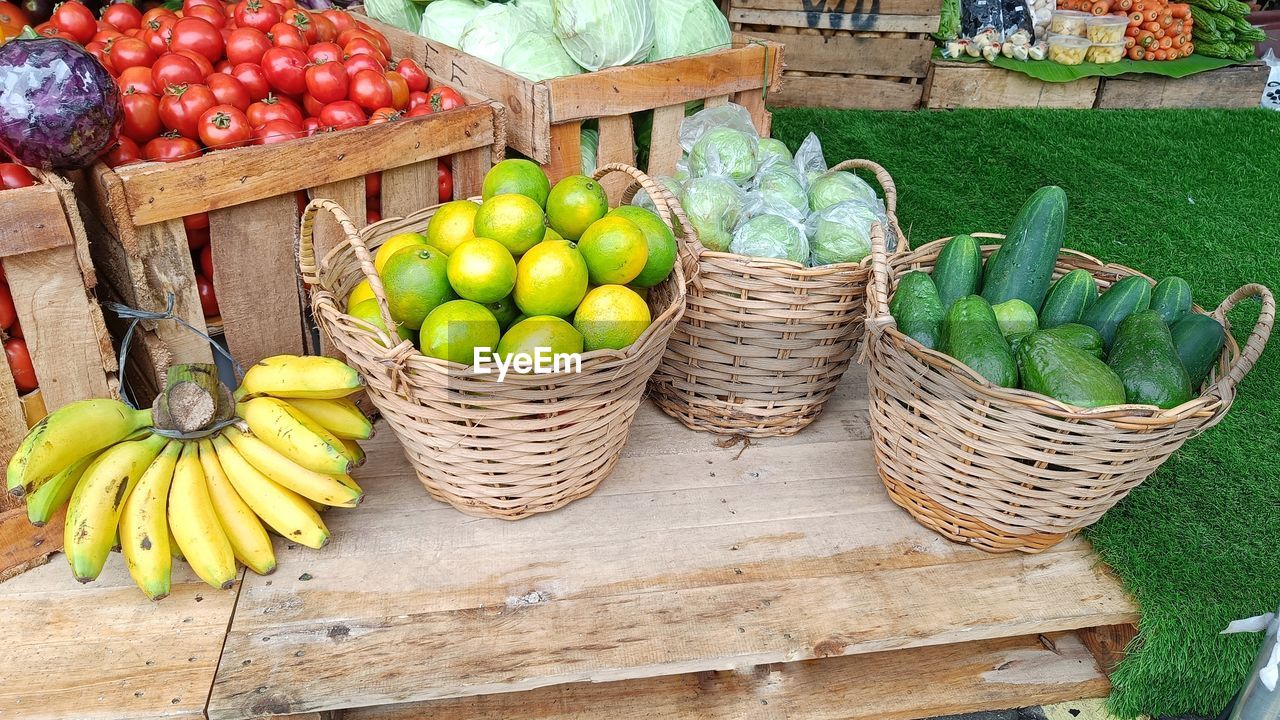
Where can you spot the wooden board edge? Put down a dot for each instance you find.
(33, 219)
(1109, 644)
(24, 546)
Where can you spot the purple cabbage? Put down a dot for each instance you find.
(61, 108)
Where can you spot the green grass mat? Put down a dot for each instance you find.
(1047, 71)
(1193, 193)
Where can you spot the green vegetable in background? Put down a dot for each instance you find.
(687, 27)
(538, 55)
(949, 24)
(444, 20)
(604, 33)
(403, 14)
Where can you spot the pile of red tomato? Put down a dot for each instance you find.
(13, 175)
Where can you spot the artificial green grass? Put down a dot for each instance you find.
(1192, 193)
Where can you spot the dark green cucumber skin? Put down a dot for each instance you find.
(972, 336)
(1130, 295)
(1074, 293)
(917, 309)
(1147, 362)
(1024, 267)
(1052, 366)
(1199, 340)
(1171, 297)
(958, 271)
(1081, 337)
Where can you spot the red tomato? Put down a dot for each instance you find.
(13, 175)
(399, 89)
(75, 20)
(122, 16)
(224, 126)
(182, 106)
(198, 238)
(364, 31)
(311, 106)
(341, 21)
(214, 16)
(201, 61)
(273, 108)
(137, 79)
(276, 131)
(206, 261)
(12, 19)
(286, 35)
(106, 36)
(208, 299)
(199, 36)
(356, 63)
(156, 13)
(444, 182)
(124, 152)
(228, 90)
(300, 19)
(326, 51)
(189, 5)
(417, 98)
(129, 52)
(414, 75)
(385, 114)
(98, 50)
(260, 14)
(247, 45)
(312, 126)
(341, 115)
(372, 216)
(174, 69)
(254, 79)
(198, 221)
(418, 110)
(327, 82)
(370, 90)
(8, 313)
(157, 33)
(445, 98)
(325, 31)
(141, 117)
(171, 147)
(286, 69)
(24, 373)
(372, 185)
(364, 46)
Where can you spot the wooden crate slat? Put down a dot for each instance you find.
(1240, 86)
(845, 7)
(23, 546)
(617, 145)
(974, 85)
(663, 157)
(898, 57)
(350, 195)
(409, 188)
(13, 424)
(37, 222)
(924, 23)
(166, 263)
(469, 169)
(847, 93)
(894, 685)
(754, 102)
(566, 151)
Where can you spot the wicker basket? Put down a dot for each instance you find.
(764, 342)
(510, 449)
(1005, 469)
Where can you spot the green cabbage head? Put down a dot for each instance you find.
(688, 27)
(713, 205)
(604, 33)
(771, 236)
(724, 151)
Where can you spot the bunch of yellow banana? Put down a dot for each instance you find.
(209, 501)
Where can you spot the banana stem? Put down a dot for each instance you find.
(193, 398)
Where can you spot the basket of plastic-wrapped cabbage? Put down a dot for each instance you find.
(777, 304)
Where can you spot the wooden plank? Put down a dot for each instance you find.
(163, 191)
(409, 188)
(846, 93)
(972, 85)
(469, 169)
(13, 422)
(254, 270)
(350, 195)
(753, 101)
(923, 23)
(32, 219)
(897, 57)
(102, 652)
(855, 7)
(617, 145)
(164, 259)
(24, 546)
(1109, 644)
(664, 148)
(1240, 86)
(566, 151)
(895, 685)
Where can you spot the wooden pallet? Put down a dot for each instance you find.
(846, 53)
(1240, 86)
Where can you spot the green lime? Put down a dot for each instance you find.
(367, 310)
(521, 177)
(482, 270)
(454, 330)
(615, 251)
(505, 310)
(611, 317)
(661, 241)
(513, 220)
(551, 279)
(574, 203)
(451, 224)
(539, 337)
(417, 282)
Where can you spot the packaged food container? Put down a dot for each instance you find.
(1107, 29)
(1070, 22)
(1068, 49)
(1105, 53)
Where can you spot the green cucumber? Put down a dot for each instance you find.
(1068, 299)
(958, 270)
(1024, 267)
(1081, 337)
(971, 335)
(916, 307)
(1053, 366)
(1126, 297)
(1171, 297)
(1147, 362)
(1015, 316)
(1199, 340)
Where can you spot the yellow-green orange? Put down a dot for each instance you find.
(615, 251)
(367, 310)
(574, 203)
(505, 310)
(452, 224)
(513, 220)
(660, 240)
(551, 235)
(611, 317)
(417, 282)
(551, 279)
(360, 293)
(481, 270)
(546, 333)
(521, 177)
(395, 244)
(455, 329)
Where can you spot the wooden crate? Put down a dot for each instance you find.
(846, 53)
(1240, 86)
(544, 119)
(45, 255)
(954, 84)
(250, 194)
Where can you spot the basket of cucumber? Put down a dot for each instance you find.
(1015, 401)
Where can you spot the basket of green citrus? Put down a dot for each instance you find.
(507, 339)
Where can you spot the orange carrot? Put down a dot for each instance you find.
(1151, 14)
(1130, 42)
(1162, 55)
(1086, 6)
(1132, 31)
(1180, 10)
(1137, 53)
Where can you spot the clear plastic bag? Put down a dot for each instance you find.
(778, 189)
(838, 186)
(720, 141)
(713, 204)
(809, 160)
(1005, 17)
(730, 115)
(771, 236)
(841, 233)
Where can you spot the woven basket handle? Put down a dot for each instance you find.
(1257, 341)
(669, 208)
(878, 290)
(310, 269)
(890, 194)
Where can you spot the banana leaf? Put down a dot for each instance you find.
(1047, 71)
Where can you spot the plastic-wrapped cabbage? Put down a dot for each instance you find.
(771, 236)
(604, 33)
(404, 14)
(833, 187)
(494, 29)
(538, 55)
(590, 149)
(770, 150)
(724, 151)
(729, 115)
(539, 10)
(809, 160)
(713, 205)
(444, 20)
(777, 190)
(841, 233)
(688, 27)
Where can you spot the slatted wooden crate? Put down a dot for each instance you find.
(846, 53)
(250, 194)
(45, 255)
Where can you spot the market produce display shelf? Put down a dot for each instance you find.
(762, 580)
